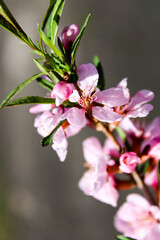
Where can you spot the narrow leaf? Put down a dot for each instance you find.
(78, 39)
(5, 12)
(8, 22)
(47, 140)
(31, 100)
(56, 14)
(159, 181)
(41, 68)
(49, 43)
(101, 80)
(18, 89)
(46, 84)
(61, 47)
(48, 13)
(121, 237)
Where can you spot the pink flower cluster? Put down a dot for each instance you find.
(82, 103)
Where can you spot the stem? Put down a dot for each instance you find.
(103, 128)
(141, 185)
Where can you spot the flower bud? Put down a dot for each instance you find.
(128, 162)
(62, 91)
(69, 35)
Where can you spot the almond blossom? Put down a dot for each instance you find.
(96, 181)
(137, 106)
(138, 219)
(46, 121)
(91, 101)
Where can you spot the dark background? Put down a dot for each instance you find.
(39, 197)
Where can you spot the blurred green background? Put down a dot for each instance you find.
(39, 197)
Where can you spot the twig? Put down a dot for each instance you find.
(141, 185)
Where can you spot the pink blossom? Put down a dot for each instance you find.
(128, 162)
(45, 124)
(62, 91)
(151, 178)
(137, 106)
(69, 35)
(92, 101)
(96, 182)
(138, 219)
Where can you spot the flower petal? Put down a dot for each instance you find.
(87, 76)
(92, 150)
(60, 144)
(113, 97)
(105, 114)
(75, 116)
(140, 98)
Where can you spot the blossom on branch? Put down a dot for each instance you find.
(138, 219)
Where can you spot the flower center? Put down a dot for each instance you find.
(87, 97)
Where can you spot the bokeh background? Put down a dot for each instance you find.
(39, 197)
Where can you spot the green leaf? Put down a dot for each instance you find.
(56, 14)
(61, 47)
(18, 89)
(31, 100)
(101, 80)
(41, 68)
(48, 13)
(121, 237)
(49, 43)
(121, 133)
(8, 22)
(47, 140)
(159, 181)
(46, 84)
(78, 39)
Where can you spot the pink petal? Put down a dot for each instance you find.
(105, 114)
(62, 91)
(87, 182)
(151, 178)
(140, 98)
(113, 97)
(107, 194)
(138, 200)
(92, 150)
(127, 125)
(123, 83)
(75, 116)
(60, 144)
(40, 108)
(87, 76)
(141, 111)
(153, 129)
(110, 148)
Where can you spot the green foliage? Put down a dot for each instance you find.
(101, 80)
(31, 100)
(55, 17)
(121, 133)
(47, 140)
(78, 39)
(121, 237)
(49, 43)
(8, 22)
(46, 84)
(18, 89)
